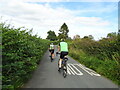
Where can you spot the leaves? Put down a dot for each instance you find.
(21, 53)
(63, 32)
(102, 56)
(51, 36)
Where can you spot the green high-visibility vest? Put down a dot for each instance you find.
(63, 46)
(51, 46)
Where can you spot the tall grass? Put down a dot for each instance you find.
(92, 55)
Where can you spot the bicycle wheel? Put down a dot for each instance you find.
(51, 57)
(64, 71)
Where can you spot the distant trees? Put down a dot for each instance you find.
(89, 37)
(51, 35)
(62, 35)
(112, 35)
(85, 37)
(63, 32)
(76, 37)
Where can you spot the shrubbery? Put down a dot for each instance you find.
(103, 56)
(21, 53)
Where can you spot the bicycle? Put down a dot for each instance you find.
(51, 57)
(63, 66)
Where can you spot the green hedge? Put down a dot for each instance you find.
(21, 53)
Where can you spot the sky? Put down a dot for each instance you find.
(83, 17)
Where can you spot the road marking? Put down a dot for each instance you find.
(81, 66)
(89, 71)
(80, 73)
(71, 69)
(93, 72)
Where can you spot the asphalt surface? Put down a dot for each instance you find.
(79, 76)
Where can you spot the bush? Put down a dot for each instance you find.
(21, 54)
(102, 56)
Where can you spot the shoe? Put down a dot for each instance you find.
(59, 69)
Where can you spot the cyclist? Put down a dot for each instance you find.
(63, 48)
(51, 49)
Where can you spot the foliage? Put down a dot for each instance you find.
(63, 32)
(90, 37)
(51, 36)
(21, 53)
(103, 56)
(112, 35)
(76, 37)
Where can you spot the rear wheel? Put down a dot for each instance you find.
(64, 74)
(51, 58)
(58, 63)
(64, 71)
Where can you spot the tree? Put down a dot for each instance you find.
(63, 32)
(91, 37)
(51, 35)
(88, 37)
(112, 35)
(76, 37)
(69, 38)
(85, 37)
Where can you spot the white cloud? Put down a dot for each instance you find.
(96, 0)
(43, 0)
(43, 18)
(70, 0)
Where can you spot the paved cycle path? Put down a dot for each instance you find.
(79, 76)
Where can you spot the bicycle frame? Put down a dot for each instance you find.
(64, 66)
